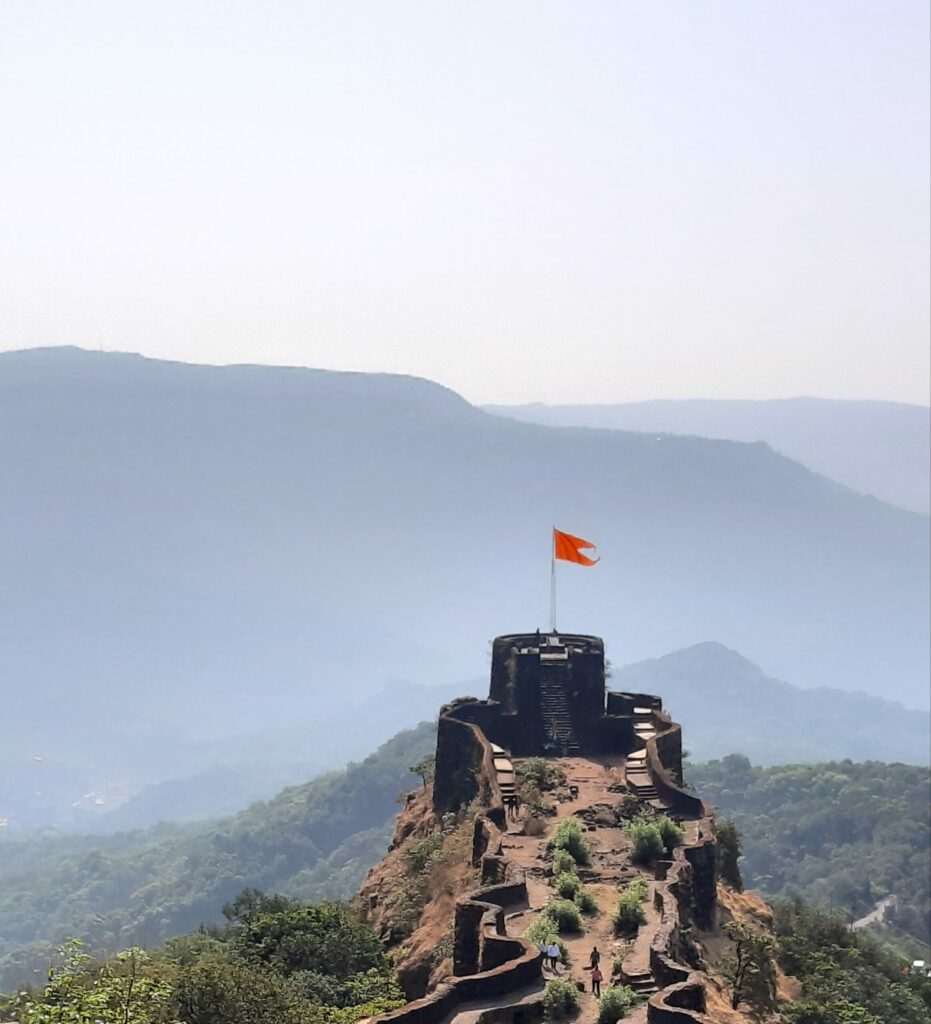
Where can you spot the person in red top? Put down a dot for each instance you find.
(597, 978)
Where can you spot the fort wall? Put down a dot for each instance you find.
(488, 964)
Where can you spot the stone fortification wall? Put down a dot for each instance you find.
(686, 886)
(682, 991)
(465, 769)
(624, 703)
(488, 964)
(683, 1003)
(664, 760)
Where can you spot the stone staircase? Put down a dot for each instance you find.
(638, 775)
(504, 770)
(554, 706)
(643, 983)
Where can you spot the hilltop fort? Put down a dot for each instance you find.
(611, 759)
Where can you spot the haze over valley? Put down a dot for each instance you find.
(215, 569)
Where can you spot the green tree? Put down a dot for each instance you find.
(425, 768)
(212, 991)
(727, 840)
(127, 989)
(322, 937)
(751, 971)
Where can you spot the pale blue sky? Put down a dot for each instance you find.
(525, 201)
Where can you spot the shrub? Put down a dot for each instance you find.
(671, 833)
(538, 772)
(563, 862)
(629, 915)
(628, 807)
(567, 885)
(647, 842)
(568, 837)
(418, 856)
(586, 902)
(639, 887)
(615, 1002)
(560, 1000)
(565, 915)
(617, 963)
(534, 826)
(544, 929)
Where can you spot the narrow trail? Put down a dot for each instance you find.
(598, 780)
(876, 916)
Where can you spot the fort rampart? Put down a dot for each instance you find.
(489, 966)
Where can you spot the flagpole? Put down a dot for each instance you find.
(553, 581)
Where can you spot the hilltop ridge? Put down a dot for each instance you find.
(878, 448)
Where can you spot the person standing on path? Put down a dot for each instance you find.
(595, 957)
(597, 978)
(554, 956)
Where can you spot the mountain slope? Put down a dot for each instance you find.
(193, 552)
(142, 887)
(840, 834)
(878, 448)
(725, 703)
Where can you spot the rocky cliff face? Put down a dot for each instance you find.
(678, 959)
(409, 897)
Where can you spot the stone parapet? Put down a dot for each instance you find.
(488, 964)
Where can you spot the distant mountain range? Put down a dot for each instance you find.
(189, 554)
(725, 703)
(878, 448)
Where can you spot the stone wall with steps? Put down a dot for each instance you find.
(473, 764)
(489, 965)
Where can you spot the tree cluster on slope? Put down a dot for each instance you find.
(276, 961)
(310, 842)
(839, 835)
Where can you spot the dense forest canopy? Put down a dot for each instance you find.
(841, 835)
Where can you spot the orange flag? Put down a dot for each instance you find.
(567, 547)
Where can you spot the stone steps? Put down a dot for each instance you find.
(642, 982)
(554, 707)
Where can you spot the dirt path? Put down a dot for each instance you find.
(610, 867)
(876, 915)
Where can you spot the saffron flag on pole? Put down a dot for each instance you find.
(569, 548)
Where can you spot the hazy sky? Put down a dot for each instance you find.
(575, 201)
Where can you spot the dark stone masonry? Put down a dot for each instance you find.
(548, 698)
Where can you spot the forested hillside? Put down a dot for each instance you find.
(839, 835)
(310, 841)
(842, 835)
